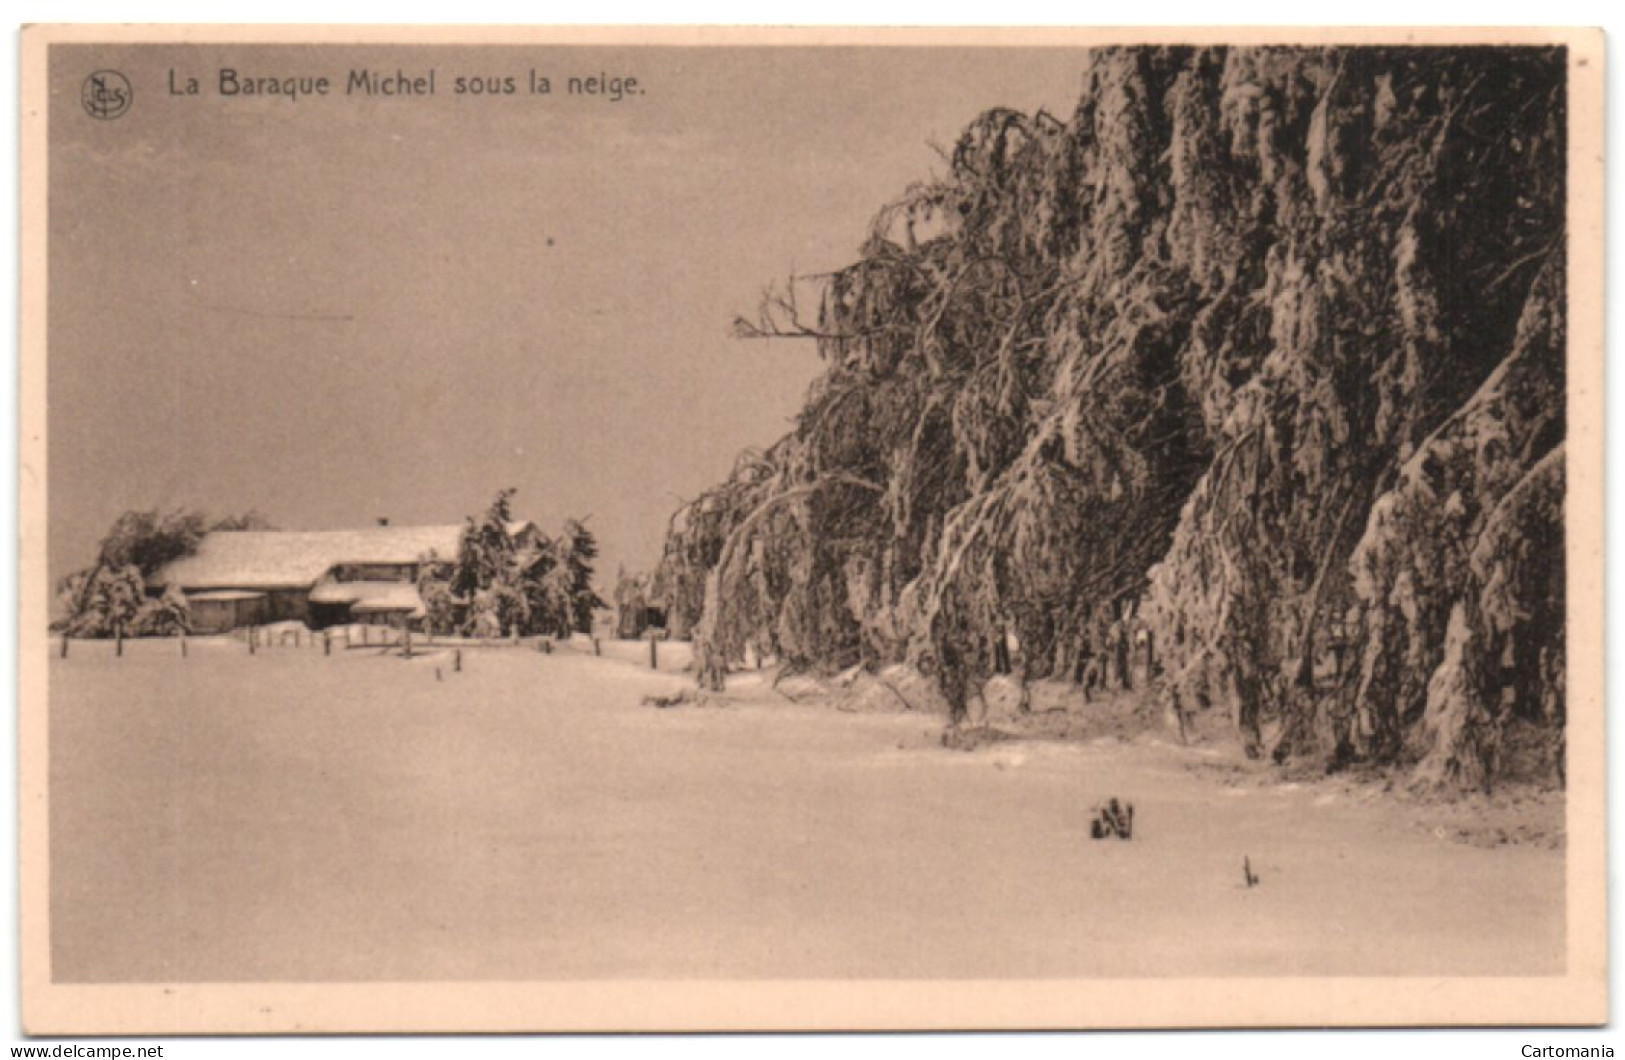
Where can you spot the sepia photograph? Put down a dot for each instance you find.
(704, 529)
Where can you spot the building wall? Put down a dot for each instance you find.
(277, 605)
(213, 616)
(222, 616)
(324, 615)
(392, 619)
(287, 605)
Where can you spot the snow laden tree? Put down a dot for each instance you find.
(166, 615)
(1414, 210)
(105, 602)
(486, 575)
(1205, 359)
(146, 540)
(632, 594)
(500, 584)
(577, 549)
(249, 520)
(109, 598)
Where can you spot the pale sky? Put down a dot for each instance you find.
(340, 308)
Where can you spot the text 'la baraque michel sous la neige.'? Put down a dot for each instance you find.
(231, 83)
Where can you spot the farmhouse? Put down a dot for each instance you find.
(318, 577)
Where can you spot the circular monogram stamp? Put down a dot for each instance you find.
(106, 95)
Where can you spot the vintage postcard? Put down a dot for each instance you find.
(720, 529)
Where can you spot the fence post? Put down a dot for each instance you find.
(183, 645)
(654, 652)
(253, 632)
(119, 643)
(409, 644)
(457, 661)
(597, 649)
(327, 642)
(64, 644)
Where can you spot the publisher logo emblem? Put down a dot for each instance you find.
(106, 95)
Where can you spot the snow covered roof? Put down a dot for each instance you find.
(370, 596)
(223, 596)
(296, 559)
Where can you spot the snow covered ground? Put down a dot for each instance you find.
(295, 816)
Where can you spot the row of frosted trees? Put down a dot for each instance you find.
(1261, 350)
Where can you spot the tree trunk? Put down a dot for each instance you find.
(711, 666)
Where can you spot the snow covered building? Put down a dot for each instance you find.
(318, 577)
